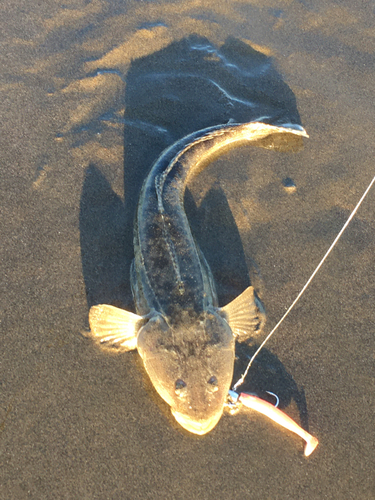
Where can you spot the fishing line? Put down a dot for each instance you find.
(242, 378)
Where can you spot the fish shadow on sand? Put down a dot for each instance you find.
(106, 246)
(187, 86)
(217, 235)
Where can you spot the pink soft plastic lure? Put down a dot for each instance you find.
(276, 415)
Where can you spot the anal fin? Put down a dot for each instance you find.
(114, 327)
(245, 315)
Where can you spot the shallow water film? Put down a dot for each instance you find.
(91, 93)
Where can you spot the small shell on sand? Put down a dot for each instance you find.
(289, 185)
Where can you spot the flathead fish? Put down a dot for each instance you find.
(186, 341)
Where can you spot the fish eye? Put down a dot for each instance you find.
(180, 388)
(213, 384)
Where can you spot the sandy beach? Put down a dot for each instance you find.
(91, 93)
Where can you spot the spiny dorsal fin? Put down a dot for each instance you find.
(245, 315)
(114, 327)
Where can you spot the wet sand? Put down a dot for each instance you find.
(91, 93)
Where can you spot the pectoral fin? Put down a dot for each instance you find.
(245, 315)
(114, 327)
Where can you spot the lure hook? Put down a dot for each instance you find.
(275, 396)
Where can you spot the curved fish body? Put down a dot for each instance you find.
(185, 340)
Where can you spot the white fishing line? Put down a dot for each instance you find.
(242, 378)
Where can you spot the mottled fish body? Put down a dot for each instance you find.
(185, 340)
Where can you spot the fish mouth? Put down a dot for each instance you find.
(200, 426)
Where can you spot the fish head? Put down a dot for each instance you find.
(190, 365)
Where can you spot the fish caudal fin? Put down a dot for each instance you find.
(245, 315)
(114, 327)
